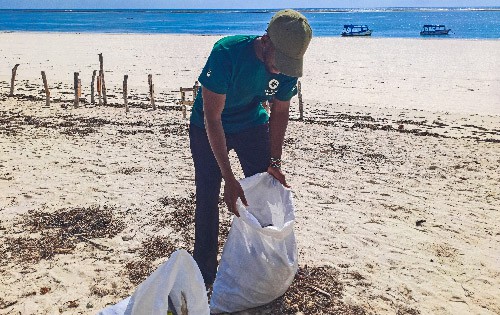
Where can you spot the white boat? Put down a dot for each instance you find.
(433, 29)
(356, 30)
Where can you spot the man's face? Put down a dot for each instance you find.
(268, 55)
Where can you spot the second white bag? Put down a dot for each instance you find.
(178, 278)
(259, 260)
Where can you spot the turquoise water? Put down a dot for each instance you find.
(468, 23)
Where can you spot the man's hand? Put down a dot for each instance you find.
(276, 173)
(278, 121)
(213, 105)
(233, 191)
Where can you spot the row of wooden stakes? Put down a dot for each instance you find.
(101, 90)
(101, 87)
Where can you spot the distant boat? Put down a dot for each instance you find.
(431, 29)
(356, 30)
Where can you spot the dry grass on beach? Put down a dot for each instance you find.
(122, 196)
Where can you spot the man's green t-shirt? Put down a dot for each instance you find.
(234, 69)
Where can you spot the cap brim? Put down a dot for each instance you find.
(288, 66)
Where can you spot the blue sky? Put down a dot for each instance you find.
(235, 4)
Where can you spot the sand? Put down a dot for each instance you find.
(395, 169)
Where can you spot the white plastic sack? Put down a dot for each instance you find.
(259, 260)
(178, 276)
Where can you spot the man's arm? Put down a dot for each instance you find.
(278, 121)
(213, 104)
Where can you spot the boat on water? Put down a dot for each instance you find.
(434, 29)
(356, 30)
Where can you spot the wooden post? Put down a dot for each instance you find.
(195, 90)
(92, 92)
(101, 74)
(79, 89)
(103, 82)
(184, 306)
(99, 89)
(183, 95)
(46, 87)
(267, 106)
(301, 105)
(75, 85)
(13, 79)
(125, 78)
(151, 91)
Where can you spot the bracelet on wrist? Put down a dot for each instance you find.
(275, 163)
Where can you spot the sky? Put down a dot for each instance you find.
(235, 4)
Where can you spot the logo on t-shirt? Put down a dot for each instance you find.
(273, 86)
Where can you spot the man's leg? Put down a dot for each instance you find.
(208, 182)
(253, 149)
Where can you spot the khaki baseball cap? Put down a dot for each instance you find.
(290, 34)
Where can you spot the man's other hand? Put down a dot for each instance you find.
(276, 173)
(233, 191)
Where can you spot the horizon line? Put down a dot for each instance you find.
(315, 8)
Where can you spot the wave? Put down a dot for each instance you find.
(397, 9)
(159, 11)
(261, 11)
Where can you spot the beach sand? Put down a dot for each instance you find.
(395, 170)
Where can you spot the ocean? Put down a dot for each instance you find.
(466, 23)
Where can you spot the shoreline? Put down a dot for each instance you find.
(265, 10)
(229, 34)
